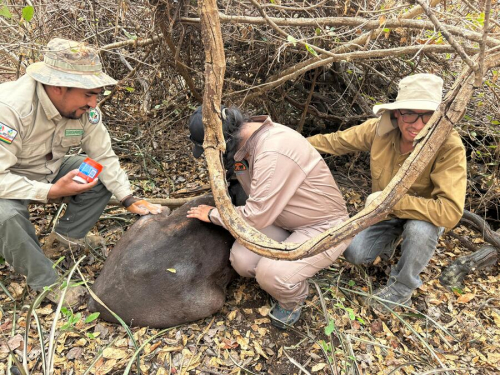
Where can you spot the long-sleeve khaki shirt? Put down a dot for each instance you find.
(438, 194)
(286, 179)
(36, 139)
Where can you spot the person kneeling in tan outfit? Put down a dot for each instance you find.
(292, 197)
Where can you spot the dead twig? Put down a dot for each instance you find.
(297, 364)
(345, 22)
(458, 48)
(482, 44)
(179, 65)
(145, 105)
(300, 127)
(327, 321)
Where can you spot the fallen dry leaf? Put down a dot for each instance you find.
(493, 358)
(232, 315)
(107, 367)
(74, 353)
(264, 310)
(496, 318)
(113, 353)
(15, 289)
(15, 342)
(465, 298)
(7, 325)
(259, 350)
(318, 367)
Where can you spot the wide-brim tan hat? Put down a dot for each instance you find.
(417, 92)
(70, 64)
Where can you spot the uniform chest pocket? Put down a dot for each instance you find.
(71, 141)
(30, 151)
(376, 171)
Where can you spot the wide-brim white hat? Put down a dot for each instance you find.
(417, 92)
(70, 64)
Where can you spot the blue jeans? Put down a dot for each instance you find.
(419, 243)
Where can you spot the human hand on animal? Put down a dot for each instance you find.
(200, 212)
(140, 206)
(67, 187)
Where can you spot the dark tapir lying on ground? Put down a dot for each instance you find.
(166, 270)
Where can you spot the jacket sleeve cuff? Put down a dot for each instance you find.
(122, 194)
(128, 201)
(215, 218)
(41, 190)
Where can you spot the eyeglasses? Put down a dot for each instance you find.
(412, 117)
(195, 142)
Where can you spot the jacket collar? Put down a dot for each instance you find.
(50, 110)
(252, 141)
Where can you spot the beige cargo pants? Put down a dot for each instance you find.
(284, 280)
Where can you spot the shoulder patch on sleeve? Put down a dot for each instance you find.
(7, 135)
(240, 167)
(94, 115)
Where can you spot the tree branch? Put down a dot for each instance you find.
(290, 74)
(296, 9)
(450, 39)
(323, 21)
(276, 28)
(313, 62)
(181, 68)
(300, 127)
(482, 44)
(479, 11)
(132, 42)
(346, 22)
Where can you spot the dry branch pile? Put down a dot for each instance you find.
(317, 67)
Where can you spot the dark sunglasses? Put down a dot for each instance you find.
(412, 117)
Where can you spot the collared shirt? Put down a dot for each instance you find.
(436, 196)
(286, 179)
(31, 160)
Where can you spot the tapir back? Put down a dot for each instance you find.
(166, 270)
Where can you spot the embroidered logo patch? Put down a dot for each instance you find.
(240, 166)
(7, 134)
(94, 116)
(73, 132)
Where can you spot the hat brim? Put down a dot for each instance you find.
(197, 151)
(424, 105)
(386, 124)
(48, 76)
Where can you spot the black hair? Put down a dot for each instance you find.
(232, 122)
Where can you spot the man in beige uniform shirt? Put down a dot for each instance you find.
(42, 115)
(292, 197)
(434, 201)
